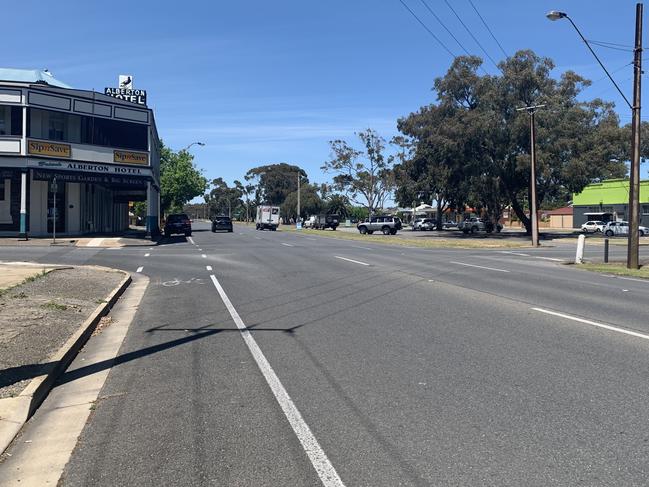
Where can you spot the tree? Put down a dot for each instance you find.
(274, 182)
(473, 144)
(180, 179)
(366, 175)
(337, 204)
(223, 200)
(246, 191)
(310, 203)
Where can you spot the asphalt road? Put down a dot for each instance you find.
(405, 367)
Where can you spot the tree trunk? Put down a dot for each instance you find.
(520, 213)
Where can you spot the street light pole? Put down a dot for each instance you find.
(533, 209)
(633, 258)
(298, 199)
(633, 249)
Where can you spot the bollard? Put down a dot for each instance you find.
(581, 241)
(606, 250)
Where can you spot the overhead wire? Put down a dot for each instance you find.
(427, 29)
(471, 34)
(484, 22)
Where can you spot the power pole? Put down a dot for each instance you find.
(298, 197)
(633, 257)
(533, 210)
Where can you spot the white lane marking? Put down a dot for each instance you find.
(200, 250)
(191, 240)
(258, 238)
(323, 467)
(204, 256)
(593, 323)
(548, 258)
(309, 238)
(632, 279)
(287, 244)
(208, 267)
(351, 260)
(139, 269)
(146, 255)
(359, 247)
(479, 266)
(515, 253)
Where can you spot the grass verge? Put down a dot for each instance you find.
(433, 242)
(618, 269)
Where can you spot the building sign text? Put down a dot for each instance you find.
(126, 157)
(48, 149)
(126, 94)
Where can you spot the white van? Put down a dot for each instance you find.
(267, 218)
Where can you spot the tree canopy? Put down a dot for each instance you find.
(274, 182)
(180, 179)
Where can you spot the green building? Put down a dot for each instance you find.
(608, 201)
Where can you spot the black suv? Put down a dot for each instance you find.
(222, 223)
(178, 223)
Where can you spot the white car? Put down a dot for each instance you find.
(622, 228)
(593, 226)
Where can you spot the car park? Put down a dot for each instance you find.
(178, 223)
(593, 226)
(222, 223)
(388, 225)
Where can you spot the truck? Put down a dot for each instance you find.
(267, 218)
(320, 222)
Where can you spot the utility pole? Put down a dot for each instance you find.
(633, 249)
(298, 197)
(55, 188)
(533, 210)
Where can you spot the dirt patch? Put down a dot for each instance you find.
(38, 317)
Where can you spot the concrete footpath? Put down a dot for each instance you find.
(47, 313)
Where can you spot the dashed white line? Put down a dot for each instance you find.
(146, 255)
(140, 269)
(191, 240)
(548, 258)
(208, 267)
(288, 244)
(479, 266)
(593, 323)
(204, 256)
(351, 260)
(323, 467)
(514, 253)
(359, 247)
(632, 279)
(200, 250)
(258, 238)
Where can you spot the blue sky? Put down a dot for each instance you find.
(261, 82)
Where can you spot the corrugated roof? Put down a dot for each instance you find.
(30, 76)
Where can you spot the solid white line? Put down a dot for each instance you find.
(200, 250)
(146, 255)
(594, 323)
(139, 269)
(548, 258)
(632, 279)
(514, 253)
(208, 267)
(359, 247)
(258, 238)
(287, 244)
(351, 260)
(323, 467)
(191, 240)
(309, 238)
(204, 256)
(479, 266)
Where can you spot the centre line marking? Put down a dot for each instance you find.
(288, 244)
(593, 323)
(548, 258)
(191, 240)
(258, 238)
(514, 253)
(208, 267)
(204, 256)
(479, 266)
(146, 255)
(323, 467)
(359, 247)
(140, 269)
(351, 260)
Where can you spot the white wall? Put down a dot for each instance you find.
(73, 215)
(38, 208)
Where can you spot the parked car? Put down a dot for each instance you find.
(309, 222)
(593, 226)
(622, 228)
(449, 225)
(222, 223)
(321, 222)
(389, 225)
(424, 224)
(474, 225)
(178, 223)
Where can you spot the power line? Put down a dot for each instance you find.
(471, 34)
(602, 44)
(427, 29)
(490, 32)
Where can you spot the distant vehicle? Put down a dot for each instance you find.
(178, 223)
(449, 225)
(309, 222)
(389, 225)
(424, 224)
(323, 221)
(222, 223)
(474, 225)
(267, 218)
(593, 226)
(622, 228)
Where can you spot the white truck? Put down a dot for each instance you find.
(267, 218)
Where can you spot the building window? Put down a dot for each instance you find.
(645, 209)
(11, 120)
(80, 129)
(2, 189)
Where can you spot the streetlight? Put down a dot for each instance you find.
(201, 144)
(633, 248)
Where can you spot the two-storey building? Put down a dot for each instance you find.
(84, 153)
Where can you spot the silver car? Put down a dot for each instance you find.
(622, 228)
(389, 225)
